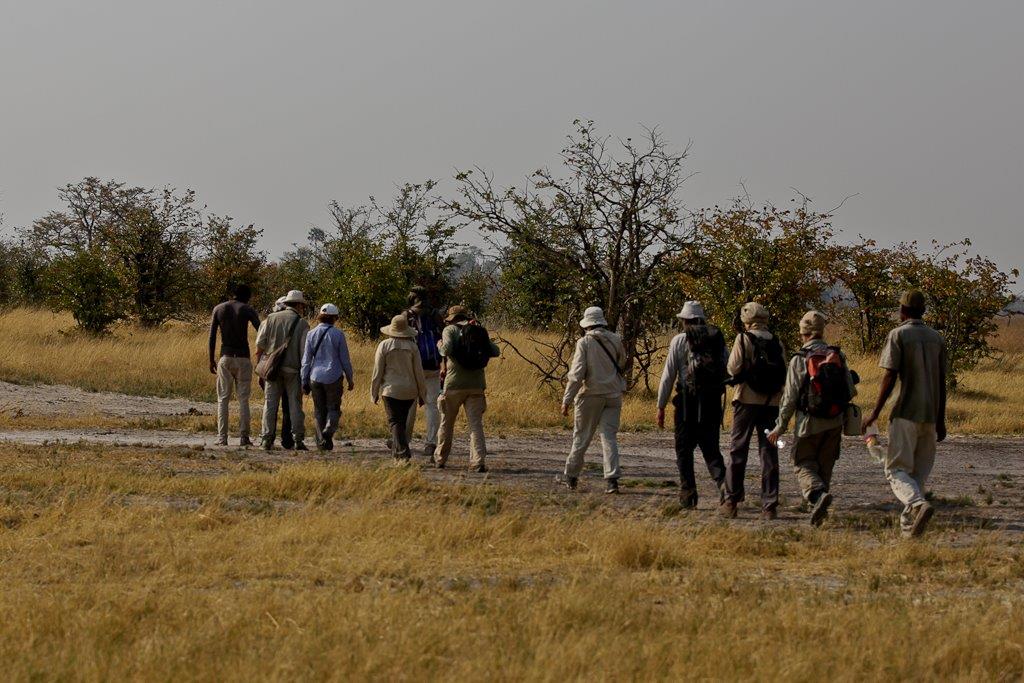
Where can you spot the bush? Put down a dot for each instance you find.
(84, 284)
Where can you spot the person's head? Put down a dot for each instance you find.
(692, 314)
(297, 300)
(912, 305)
(754, 315)
(328, 314)
(417, 297)
(242, 293)
(399, 328)
(279, 304)
(812, 325)
(593, 318)
(457, 315)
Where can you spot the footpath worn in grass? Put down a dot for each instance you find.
(161, 565)
(171, 361)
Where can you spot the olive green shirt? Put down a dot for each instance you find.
(917, 353)
(274, 334)
(459, 377)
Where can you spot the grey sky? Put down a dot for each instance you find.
(270, 109)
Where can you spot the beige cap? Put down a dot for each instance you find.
(913, 298)
(753, 312)
(813, 323)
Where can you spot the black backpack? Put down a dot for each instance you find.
(705, 371)
(473, 348)
(766, 373)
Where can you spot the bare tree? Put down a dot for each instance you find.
(607, 225)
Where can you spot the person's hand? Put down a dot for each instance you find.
(773, 437)
(940, 431)
(661, 418)
(213, 367)
(351, 385)
(565, 410)
(869, 420)
(306, 389)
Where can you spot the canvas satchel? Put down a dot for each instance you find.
(269, 364)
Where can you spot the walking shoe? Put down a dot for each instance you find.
(481, 468)
(568, 482)
(287, 444)
(769, 515)
(922, 515)
(300, 446)
(439, 464)
(688, 499)
(727, 509)
(328, 442)
(820, 510)
(221, 442)
(612, 486)
(428, 451)
(268, 445)
(245, 442)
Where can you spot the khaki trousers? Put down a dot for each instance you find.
(430, 410)
(591, 413)
(909, 463)
(233, 374)
(288, 384)
(814, 458)
(448, 404)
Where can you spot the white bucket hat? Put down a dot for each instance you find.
(691, 310)
(329, 309)
(295, 296)
(593, 317)
(399, 327)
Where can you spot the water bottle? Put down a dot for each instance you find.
(875, 449)
(778, 444)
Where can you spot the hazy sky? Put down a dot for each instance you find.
(271, 109)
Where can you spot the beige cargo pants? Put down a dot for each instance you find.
(448, 404)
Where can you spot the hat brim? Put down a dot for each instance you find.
(585, 323)
(296, 301)
(389, 331)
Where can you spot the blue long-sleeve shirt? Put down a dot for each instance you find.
(332, 359)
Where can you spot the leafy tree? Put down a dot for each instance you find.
(870, 289)
(229, 256)
(780, 258)
(607, 226)
(83, 283)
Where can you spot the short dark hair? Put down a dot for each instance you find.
(325, 318)
(418, 294)
(243, 293)
(912, 312)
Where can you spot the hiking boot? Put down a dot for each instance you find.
(287, 444)
(438, 464)
(568, 482)
(769, 515)
(328, 442)
(612, 486)
(428, 451)
(245, 442)
(820, 510)
(221, 442)
(300, 446)
(727, 509)
(922, 515)
(688, 499)
(481, 468)
(268, 445)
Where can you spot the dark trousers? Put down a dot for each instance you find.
(747, 419)
(326, 408)
(398, 415)
(287, 440)
(698, 425)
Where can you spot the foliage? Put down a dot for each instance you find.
(82, 283)
(606, 229)
(870, 291)
(780, 258)
(228, 257)
(22, 271)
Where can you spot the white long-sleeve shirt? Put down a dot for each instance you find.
(592, 372)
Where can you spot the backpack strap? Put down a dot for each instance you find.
(316, 347)
(609, 354)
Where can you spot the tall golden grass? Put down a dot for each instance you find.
(41, 347)
(154, 566)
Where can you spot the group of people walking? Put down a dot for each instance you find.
(438, 362)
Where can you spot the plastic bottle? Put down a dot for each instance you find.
(778, 444)
(875, 449)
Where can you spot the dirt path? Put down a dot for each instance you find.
(978, 482)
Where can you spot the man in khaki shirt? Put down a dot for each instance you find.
(754, 411)
(914, 354)
(594, 388)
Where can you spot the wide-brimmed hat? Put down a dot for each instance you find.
(399, 328)
(295, 296)
(593, 317)
(329, 309)
(457, 313)
(753, 312)
(813, 323)
(913, 298)
(691, 310)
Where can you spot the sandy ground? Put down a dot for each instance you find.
(978, 482)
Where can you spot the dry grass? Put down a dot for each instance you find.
(172, 362)
(161, 565)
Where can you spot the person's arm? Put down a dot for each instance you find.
(577, 373)
(213, 343)
(734, 365)
(254, 318)
(940, 423)
(346, 360)
(892, 357)
(378, 372)
(668, 378)
(261, 339)
(307, 362)
(421, 379)
(790, 395)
